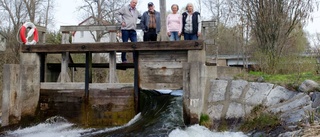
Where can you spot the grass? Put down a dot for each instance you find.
(205, 120)
(290, 81)
(260, 120)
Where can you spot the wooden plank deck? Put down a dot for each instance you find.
(109, 47)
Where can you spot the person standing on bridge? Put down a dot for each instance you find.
(128, 16)
(191, 23)
(150, 23)
(174, 24)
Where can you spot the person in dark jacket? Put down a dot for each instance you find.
(150, 23)
(191, 23)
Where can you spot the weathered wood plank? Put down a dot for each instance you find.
(174, 56)
(163, 72)
(88, 28)
(162, 52)
(74, 85)
(111, 27)
(92, 28)
(161, 79)
(163, 65)
(208, 23)
(107, 47)
(54, 66)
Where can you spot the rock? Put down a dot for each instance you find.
(260, 79)
(257, 92)
(218, 90)
(293, 110)
(315, 98)
(308, 86)
(278, 95)
(259, 134)
(235, 110)
(290, 133)
(236, 88)
(236, 99)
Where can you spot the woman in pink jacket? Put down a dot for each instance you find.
(174, 23)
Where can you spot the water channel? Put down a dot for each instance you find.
(161, 116)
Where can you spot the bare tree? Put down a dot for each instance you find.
(13, 14)
(46, 17)
(219, 10)
(17, 12)
(272, 22)
(102, 13)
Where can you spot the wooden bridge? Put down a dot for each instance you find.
(158, 65)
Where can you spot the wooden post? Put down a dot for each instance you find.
(64, 76)
(136, 81)
(88, 75)
(112, 61)
(163, 11)
(42, 40)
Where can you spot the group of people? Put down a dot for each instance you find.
(187, 24)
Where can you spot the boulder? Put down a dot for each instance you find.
(308, 86)
(315, 98)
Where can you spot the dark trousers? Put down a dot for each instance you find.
(126, 35)
(188, 36)
(150, 35)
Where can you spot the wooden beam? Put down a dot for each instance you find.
(92, 28)
(111, 27)
(208, 23)
(108, 47)
(121, 66)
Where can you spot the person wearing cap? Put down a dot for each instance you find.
(127, 16)
(191, 23)
(150, 23)
(174, 24)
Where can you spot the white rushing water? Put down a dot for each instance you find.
(60, 127)
(67, 130)
(201, 131)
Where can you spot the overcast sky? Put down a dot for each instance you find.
(66, 12)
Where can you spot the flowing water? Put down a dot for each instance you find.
(161, 116)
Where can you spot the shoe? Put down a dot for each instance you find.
(124, 61)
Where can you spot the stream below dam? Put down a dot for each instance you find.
(161, 116)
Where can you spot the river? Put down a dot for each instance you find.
(160, 116)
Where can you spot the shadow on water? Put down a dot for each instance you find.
(160, 114)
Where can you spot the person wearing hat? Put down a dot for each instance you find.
(128, 16)
(150, 23)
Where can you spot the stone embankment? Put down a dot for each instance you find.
(235, 99)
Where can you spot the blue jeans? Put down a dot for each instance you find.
(126, 35)
(174, 36)
(190, 36)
